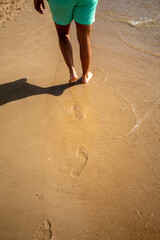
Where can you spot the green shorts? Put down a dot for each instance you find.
(64, 11)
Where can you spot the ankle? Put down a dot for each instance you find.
(72, 70)
(86, 74)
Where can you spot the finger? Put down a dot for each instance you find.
(39, 10)
(43, 5)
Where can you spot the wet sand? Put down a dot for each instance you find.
(77, 161)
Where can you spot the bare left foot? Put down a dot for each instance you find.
(73, 76)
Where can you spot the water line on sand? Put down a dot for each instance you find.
(138, 119)
(142, 49)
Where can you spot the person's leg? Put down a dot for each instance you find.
(66, 49)
(84, 39)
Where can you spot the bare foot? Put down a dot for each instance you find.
(73, 76)
(87, 77)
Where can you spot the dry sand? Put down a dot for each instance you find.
(77, 162)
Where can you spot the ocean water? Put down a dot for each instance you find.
(138, 22)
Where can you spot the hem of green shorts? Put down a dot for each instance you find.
(63, 24)
(80, 22)
(84, 23)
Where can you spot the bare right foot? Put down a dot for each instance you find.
(87, 77)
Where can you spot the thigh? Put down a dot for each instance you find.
(84, 11)
(83, 32)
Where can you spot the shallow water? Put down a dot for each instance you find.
(138, 22)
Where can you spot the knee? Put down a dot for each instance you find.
(63, 37)
(84, 41)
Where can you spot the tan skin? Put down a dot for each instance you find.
(84, 39)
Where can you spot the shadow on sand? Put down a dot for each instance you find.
(21, 89)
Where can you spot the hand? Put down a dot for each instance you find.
(37, 5)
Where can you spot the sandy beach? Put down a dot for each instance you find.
(81, 161)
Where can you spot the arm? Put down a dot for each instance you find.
(39, 4)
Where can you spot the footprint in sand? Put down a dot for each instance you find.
(44, 231)
(82, 157)
(77, 111)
